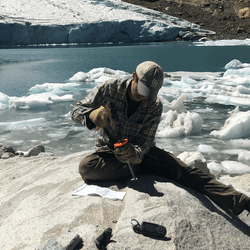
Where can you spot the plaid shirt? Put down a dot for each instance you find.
(139, 128)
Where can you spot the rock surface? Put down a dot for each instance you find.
(38, 210)
(219, 16)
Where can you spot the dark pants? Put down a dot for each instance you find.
(103, 165)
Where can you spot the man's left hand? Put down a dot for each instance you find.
(127, 154)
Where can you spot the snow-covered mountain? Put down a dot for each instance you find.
(83, 21)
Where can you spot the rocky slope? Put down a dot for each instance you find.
(37, 210)
(217, 15)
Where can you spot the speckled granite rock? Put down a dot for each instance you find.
(37, 208)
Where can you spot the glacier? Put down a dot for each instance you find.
(83, 21)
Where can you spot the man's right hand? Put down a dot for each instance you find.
(127, 154)
(100, 117)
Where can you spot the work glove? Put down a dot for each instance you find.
(105, 116)
(100, 117)
(127, 154)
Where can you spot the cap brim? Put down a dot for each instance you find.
(142, 89)
(145, 91)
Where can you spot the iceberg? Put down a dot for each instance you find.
(236, 126)
(4, 101)
(36, 101)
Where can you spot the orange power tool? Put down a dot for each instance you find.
(114, 121)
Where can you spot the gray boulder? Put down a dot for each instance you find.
(36, 150)
(37, 209)
(7, 152)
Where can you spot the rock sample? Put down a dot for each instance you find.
(244, 13)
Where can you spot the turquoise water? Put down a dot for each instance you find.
(22, 68)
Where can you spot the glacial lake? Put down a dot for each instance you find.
(24, 67)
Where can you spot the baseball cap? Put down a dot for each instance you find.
(150, 79)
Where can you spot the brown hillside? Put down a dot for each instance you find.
(219, 16)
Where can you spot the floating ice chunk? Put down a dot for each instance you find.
(45, 142)
(195, 123)
(203, 148)
(18, 142)
(234, 64)
(243, 143)
(188, 80)
(228, 100)
(38, 100)
(177, 105)
(234, 167)
(79, 129)
(103, 74)
(244, 157)
(236, 126)
(4, 101)
(243, 90)
(79, 77)
(214, 167)
(235, 77)
(103, 78)
(234, 151)
(188, 123)
(59, 134)
(233, 42)
(175, 125)
(168, 118)
(30, 102)
(55, 88)
(168, 95)
(237, 72)
(170, 132)
(21, 125)
(245, 65)
(167, 127)
(179, 84)
(190, 157)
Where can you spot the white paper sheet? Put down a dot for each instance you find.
(94, 190)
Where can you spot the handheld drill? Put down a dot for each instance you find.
(114, 121)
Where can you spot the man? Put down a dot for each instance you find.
(139, 111)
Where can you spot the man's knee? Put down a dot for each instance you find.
(87, 167)
(163, 163)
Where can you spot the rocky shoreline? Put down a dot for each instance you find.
(7, 152)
